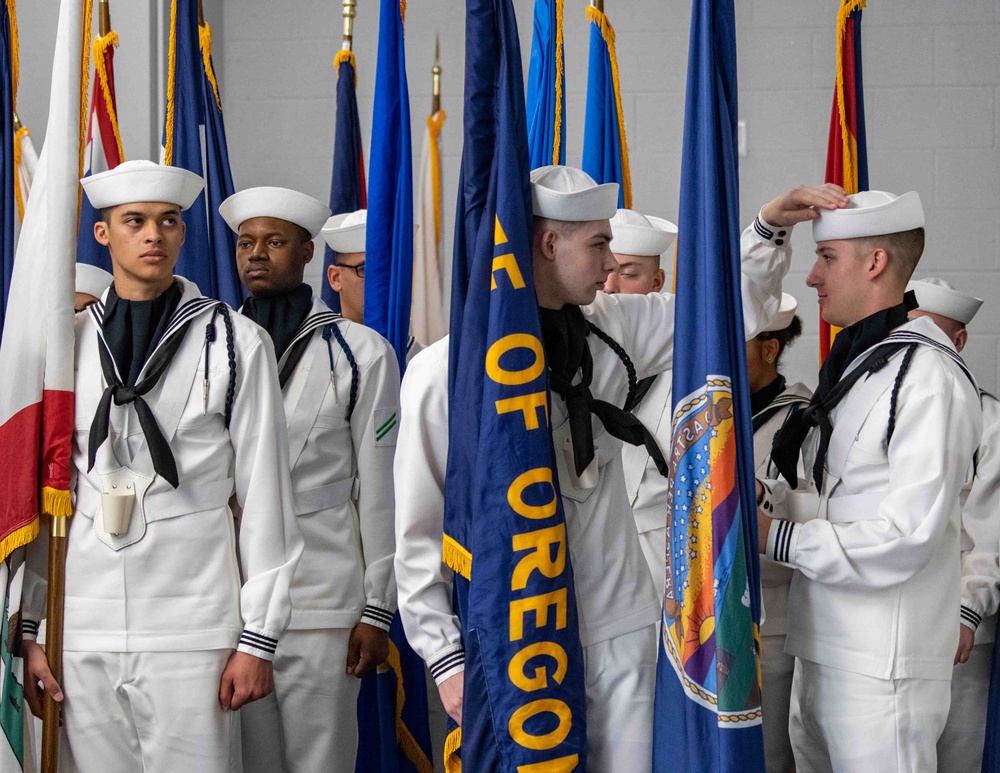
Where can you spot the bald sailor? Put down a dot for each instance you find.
(346, 236)
(886, 442)
(771, 400)
(961, 745)
(637, 242)
(340, 384)
(172, 618)
(592, 340)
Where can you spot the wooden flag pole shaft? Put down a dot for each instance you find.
(54, 639)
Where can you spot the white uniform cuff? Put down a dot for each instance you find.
(259, 645)
(447, 664)
(970, 618)
(779, 236)
(29, 629)
(377, 616)
(782, 537)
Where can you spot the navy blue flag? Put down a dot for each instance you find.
(8, 202)
(505, 531)
(194, 137)
(707, 711)
(389, 235)
(547, 87)
(347, 186)
(605, 151)
(991, 751)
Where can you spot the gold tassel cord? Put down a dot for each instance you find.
(346, 55)
(168, 145)
(15, 51)
(456, 557)
(404, 738)
(608, 33)
(19, 136)
(205, 44)
(88, 18)
(101, 46)
(452, 745)
(847, 7)
(434, 124)
(557, 140)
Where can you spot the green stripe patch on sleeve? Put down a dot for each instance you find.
(386, 424)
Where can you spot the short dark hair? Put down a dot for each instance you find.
(904, 249)
(564, 228)
(106, 214)
(785, 337)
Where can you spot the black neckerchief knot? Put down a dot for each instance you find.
(565, 332)
(833, 387)
(280, 315)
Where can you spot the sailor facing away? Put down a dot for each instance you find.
(771, 400)
(961, 745)
(886, 441)
(340, 384)
(618, 606)
(346, 236)
(172, 617)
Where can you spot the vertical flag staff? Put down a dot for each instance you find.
(347, 185)
(8, 172)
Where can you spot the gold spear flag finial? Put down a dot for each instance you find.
(436, 75)
(105, 18)
(598, 4)
(349, 12)
(17, 122)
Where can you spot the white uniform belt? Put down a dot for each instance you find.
(854, 507)
(325, 497)
(166, 503)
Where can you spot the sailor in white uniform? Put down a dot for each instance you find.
(618, 606)
(346, 236)
(961, 745)
(886, 441)
(172, 618)
(637, 243)
(771, 400)
(340, 384)
(91, 282)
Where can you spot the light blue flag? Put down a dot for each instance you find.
(547, 87)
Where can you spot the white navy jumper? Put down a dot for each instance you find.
(342, 406)
(181, 589)
(617, 603)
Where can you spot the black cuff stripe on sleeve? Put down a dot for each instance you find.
(971, 617)
(447, 663)
(259, 641)
(29, 627)
(783, 541)
(381, 615)
(763, 232)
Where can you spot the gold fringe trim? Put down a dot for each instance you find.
(608, 33)
(168, 143)
(15, 51)
(101, 46)
(18, 539)
(19, 195)
(455, 557)
(344, 55)
(557, 139)
(88, 18)
(404, 738)
(402, 11)
(56, 502)
(205, 44)
(847, 7)
(452, 744)
(434, 124)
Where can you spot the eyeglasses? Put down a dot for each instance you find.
(358, 269)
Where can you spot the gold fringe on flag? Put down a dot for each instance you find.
(847, 7)
(345, 55)
(88, 18)
(168, 144)
(434, 124)
(15, 51)
(18, 539)
(402, 11)
(608, 33)
(56, 502)
(18, 193)
(404, 738)
(101, 46)
(456, 557)
(557, 141)
(452, 762)
(205, 44)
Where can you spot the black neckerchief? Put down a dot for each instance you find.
(850, 343)
(763, 397)
(280, 315)
(565, 335)
(642, 388)
(132, 329)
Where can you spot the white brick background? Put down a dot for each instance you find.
(931, 69)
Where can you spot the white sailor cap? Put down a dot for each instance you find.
(644, 235)
(785, 315)
(282, 203)
(92, 280)
(134, 181)
(870, 213)
(346, 233)
(939, 297)
(571, 195)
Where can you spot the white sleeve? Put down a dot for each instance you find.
(374, 427)
(981, 520)
(424, 582)
(937, 428)
(270, 542)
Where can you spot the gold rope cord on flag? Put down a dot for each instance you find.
(452, 744)
(346, 55)
(847, 7)
(597, 16)
(404, 738)
(101, 46)
(557, 139)
(434, 124)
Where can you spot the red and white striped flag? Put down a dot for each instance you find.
(36, 356)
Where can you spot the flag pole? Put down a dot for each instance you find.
(598, 4)
(349, 12)
(17, 122)
(54, 638)
(105, 17)
(436, 76)
(201, 15)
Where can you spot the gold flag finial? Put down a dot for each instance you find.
(436, 75)
(105, 18)
(349, 12)
(201, 15)
(598, 4)
(17, 122)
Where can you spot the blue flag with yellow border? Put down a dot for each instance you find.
(8, 202)
(547, 87)
(707, 710)
(194, 137)
(347, 185)
(505, 531)
(605, 151)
